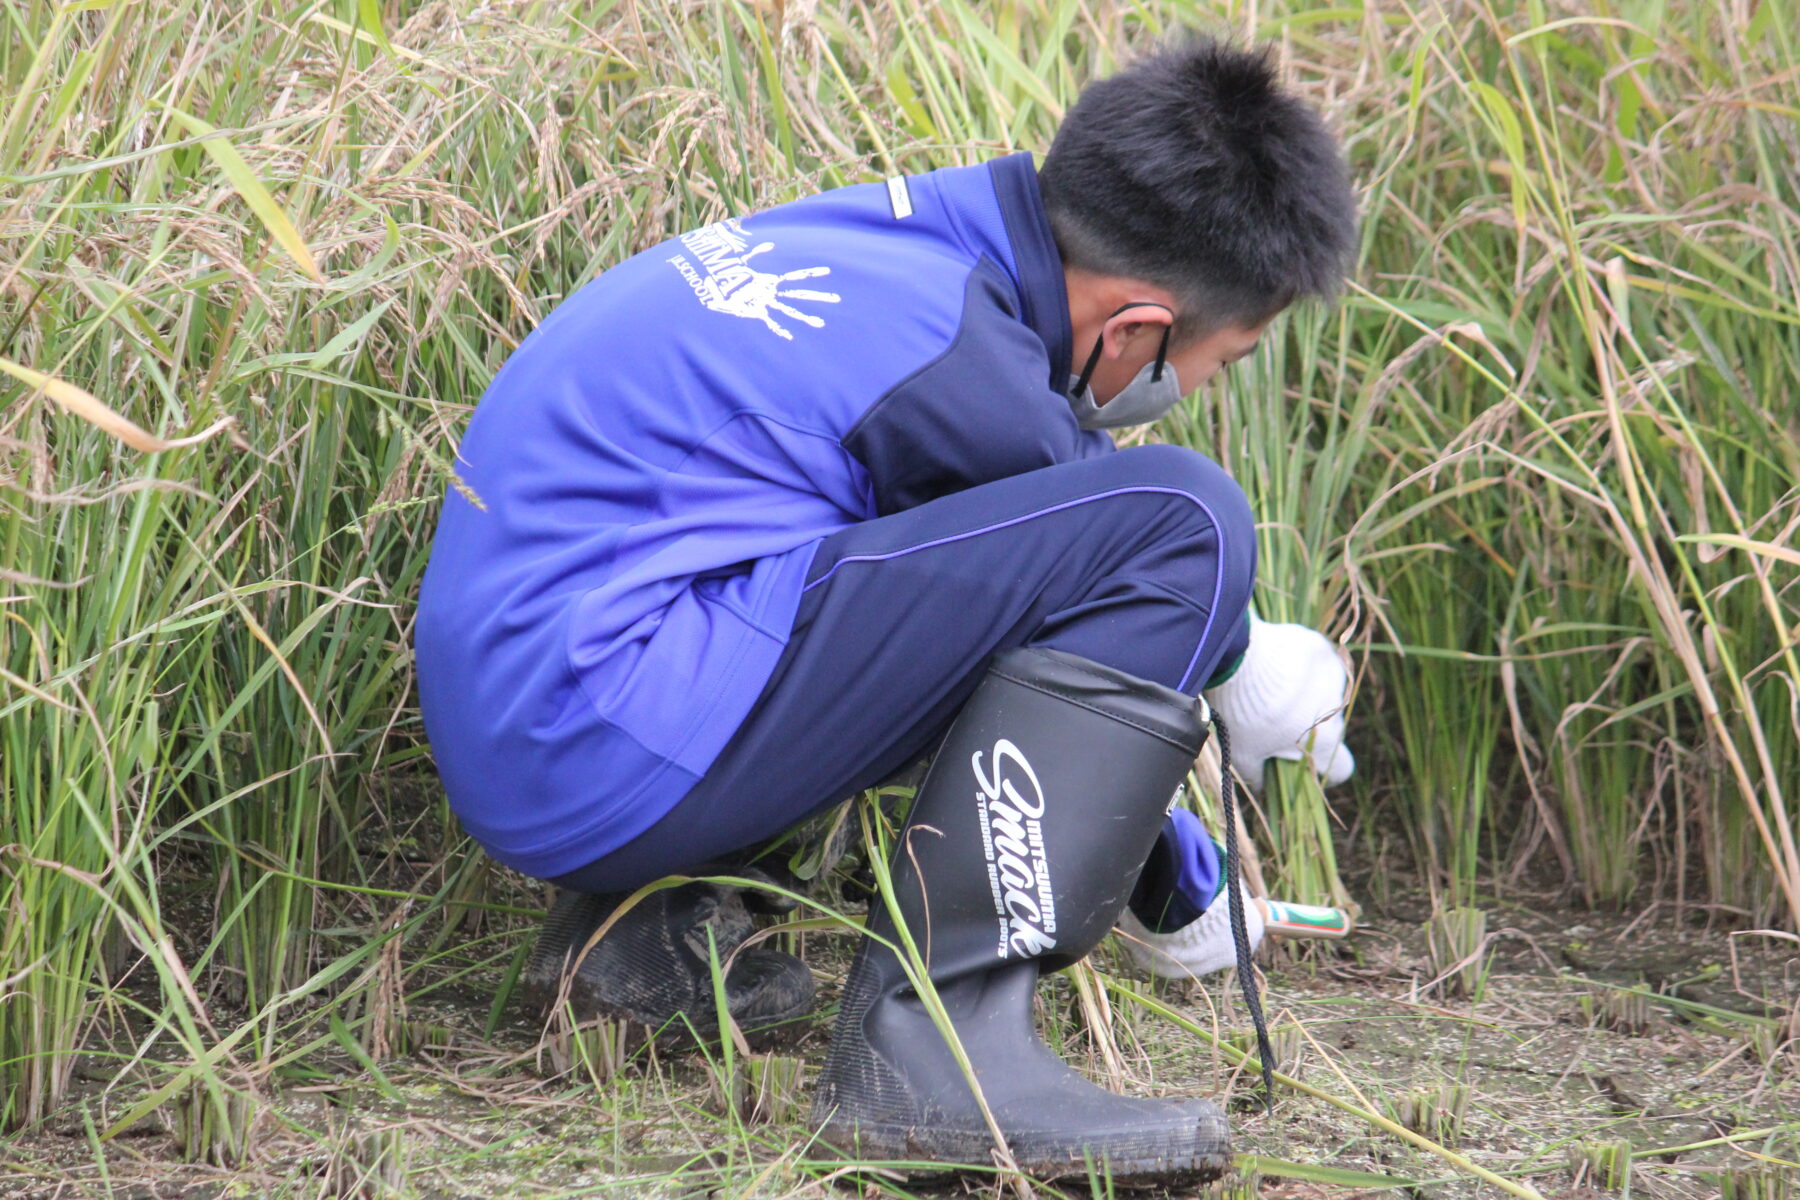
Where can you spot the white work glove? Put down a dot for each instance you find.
(1201, 946)
(1289, 688)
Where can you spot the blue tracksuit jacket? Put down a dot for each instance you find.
(658, 461)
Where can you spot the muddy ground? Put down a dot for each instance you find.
(1554, 1078)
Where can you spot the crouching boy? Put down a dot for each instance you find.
(780, 506)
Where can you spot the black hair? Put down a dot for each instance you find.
(1192, 169)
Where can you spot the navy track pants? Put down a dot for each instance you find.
(1141, 559)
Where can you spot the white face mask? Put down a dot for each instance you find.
(1153, 391)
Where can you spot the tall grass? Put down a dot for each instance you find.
(1596, 227)
(1538, 471)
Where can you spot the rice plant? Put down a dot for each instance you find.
(1539, 470)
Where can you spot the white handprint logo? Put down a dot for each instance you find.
(757, 292)
(726, 283)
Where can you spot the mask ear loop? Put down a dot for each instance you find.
(1092, 362)
(1162, 352)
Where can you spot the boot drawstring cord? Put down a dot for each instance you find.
(1234, 889)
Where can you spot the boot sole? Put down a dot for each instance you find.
(1152, 1156)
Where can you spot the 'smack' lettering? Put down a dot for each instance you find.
(1013, 840)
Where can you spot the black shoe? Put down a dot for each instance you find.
(653, 967)
(1021, 850)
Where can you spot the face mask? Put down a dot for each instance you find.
(1150, 394)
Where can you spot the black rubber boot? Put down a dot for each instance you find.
(653, 968)
(1021, 850)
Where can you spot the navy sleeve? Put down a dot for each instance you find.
(1232, 657)
(980, 411)
(1181, 879)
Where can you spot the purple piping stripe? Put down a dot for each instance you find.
(1218, 577)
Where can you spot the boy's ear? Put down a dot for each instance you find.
(1124, 330)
